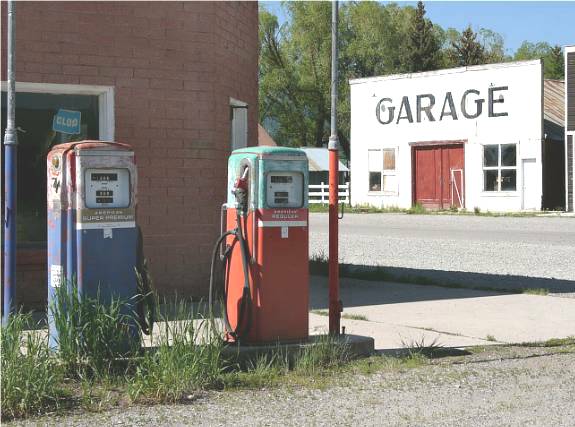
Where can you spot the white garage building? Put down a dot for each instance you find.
(466, 137)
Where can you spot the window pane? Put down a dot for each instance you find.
(508, 180)
(34, 118)
(390, 183)
(375, 160)
(389, 160)
(490, 155)
(490, 180)
(508, 155)
(375, 181)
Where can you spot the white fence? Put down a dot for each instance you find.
(319, 193)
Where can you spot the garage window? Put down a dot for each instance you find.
(500, 167)
(382, 172)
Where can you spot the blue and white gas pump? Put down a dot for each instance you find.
(94, 244)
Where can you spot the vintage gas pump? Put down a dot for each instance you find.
(264, 253)
(93, 240)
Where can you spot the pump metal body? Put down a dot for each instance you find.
(94, 245)
(265, 250)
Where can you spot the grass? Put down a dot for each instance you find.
(418, 209)
(490, 337)
(92, 335)
(31, 378)
(536, 291)
(349, 316)
(94, 369)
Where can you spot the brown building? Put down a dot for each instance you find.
(170, 78)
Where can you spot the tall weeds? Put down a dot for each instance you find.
(91, 335)
(186, 356)
(31, 378)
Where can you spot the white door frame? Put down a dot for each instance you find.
(105, 100)
(523, 190)
(239, 125)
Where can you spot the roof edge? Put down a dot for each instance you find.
(445, 71)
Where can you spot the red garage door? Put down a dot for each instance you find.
(438, 176)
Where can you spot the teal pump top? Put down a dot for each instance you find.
(261, 161)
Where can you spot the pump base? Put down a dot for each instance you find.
(358, 346)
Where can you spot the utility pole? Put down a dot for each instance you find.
(10, 176)
(335, 306)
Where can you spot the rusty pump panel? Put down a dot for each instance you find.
(263, 255)
(94, 244)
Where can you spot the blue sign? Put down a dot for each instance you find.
(67, 121)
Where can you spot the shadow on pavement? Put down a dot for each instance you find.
(367, 285)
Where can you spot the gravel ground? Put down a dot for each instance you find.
(506, 251)
(515, 387)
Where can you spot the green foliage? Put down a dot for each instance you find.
(467, 50)
(422, 50)
(31, 378)
(553, 59)
(91, 334)
(186, 357)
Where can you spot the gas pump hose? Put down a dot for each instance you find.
(245, 305)
(145, 300)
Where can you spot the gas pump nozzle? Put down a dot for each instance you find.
(240, 191)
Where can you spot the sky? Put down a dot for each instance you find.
(516, 21)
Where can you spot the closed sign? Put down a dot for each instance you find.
(67, 121)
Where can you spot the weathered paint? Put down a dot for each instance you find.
(100, 260)
(277, 242)
(487, 104)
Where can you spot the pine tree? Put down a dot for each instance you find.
(554, 63)
(422, 45)
(467, 50)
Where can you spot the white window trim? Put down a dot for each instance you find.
(384, 172)
(105, 95)
(498, 168)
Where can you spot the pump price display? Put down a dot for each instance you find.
(109, 188)
(285, 190)
(104, 177)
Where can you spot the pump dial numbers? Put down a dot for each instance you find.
(108, 188)
(284, 189)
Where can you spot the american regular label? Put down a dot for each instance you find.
(67, 121)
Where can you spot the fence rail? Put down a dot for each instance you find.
(319, 193)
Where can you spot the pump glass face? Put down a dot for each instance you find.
(284, 190)
(107, 188)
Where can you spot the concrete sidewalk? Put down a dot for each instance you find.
(401, 314)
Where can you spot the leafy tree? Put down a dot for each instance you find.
(423, 47)
(553, 60)
(467, 50)
(493, 46)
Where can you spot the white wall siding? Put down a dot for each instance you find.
(522, 101)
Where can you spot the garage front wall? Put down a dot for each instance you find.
(479, 105)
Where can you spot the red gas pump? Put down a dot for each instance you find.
(264, 253)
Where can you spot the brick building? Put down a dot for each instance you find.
(170, 78)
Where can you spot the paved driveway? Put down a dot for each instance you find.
(480, 251)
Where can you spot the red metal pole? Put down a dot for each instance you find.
(334, 302)
(335, 306)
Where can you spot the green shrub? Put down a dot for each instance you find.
(31, 377)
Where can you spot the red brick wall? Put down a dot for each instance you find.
(174, 66)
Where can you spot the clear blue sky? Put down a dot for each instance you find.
(516, 21)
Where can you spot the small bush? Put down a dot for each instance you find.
(31, 378)
(477, 210)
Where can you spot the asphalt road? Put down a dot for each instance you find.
(484, 251)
